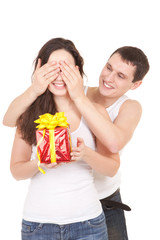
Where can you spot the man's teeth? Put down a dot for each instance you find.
(106, 85)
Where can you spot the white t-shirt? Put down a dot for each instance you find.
(106, 186)
(65, 194)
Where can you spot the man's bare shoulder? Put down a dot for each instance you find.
(132, 105)
(92, 88)
(91, 92)
(129, 113)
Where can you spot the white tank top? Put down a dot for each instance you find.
(65, 194)
(106, 186)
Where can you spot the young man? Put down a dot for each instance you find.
(124, 70)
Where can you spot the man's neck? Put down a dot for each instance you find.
(95, 96)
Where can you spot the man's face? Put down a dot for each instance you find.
(116, 77)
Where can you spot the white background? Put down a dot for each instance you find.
(97, 28)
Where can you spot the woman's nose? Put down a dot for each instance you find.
(59, 76)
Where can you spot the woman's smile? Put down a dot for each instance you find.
(59, 85)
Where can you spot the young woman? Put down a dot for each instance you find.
(63, 203)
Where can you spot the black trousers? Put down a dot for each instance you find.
(115, 219)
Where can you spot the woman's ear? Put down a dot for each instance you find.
(136, 84)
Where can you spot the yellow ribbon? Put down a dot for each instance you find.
(38, 155)
(52, 145)
(49, 121)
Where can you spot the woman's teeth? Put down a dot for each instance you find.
(59, 84)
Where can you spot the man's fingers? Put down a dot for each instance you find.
(75, 69)
(48, 67)
(51, 79)
(68, 69)
(52, 73)
(67, 75)
(38, 64)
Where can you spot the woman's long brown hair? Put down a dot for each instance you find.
(45, 102)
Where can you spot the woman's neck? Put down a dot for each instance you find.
(64, 103)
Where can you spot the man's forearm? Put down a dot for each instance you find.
(101, 125)
(105, 165)
(18, 106)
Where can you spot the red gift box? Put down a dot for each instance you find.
(61, 144)
(53, 138)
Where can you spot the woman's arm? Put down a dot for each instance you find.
(42, 77)
(21, 166)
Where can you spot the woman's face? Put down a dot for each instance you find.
(58, 86)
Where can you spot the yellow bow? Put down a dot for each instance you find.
(49, 121)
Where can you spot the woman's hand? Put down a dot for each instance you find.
(43, 76)
(78, 153)
(50, 165)
(72, 79)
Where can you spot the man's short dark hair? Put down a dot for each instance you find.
(137, 58)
